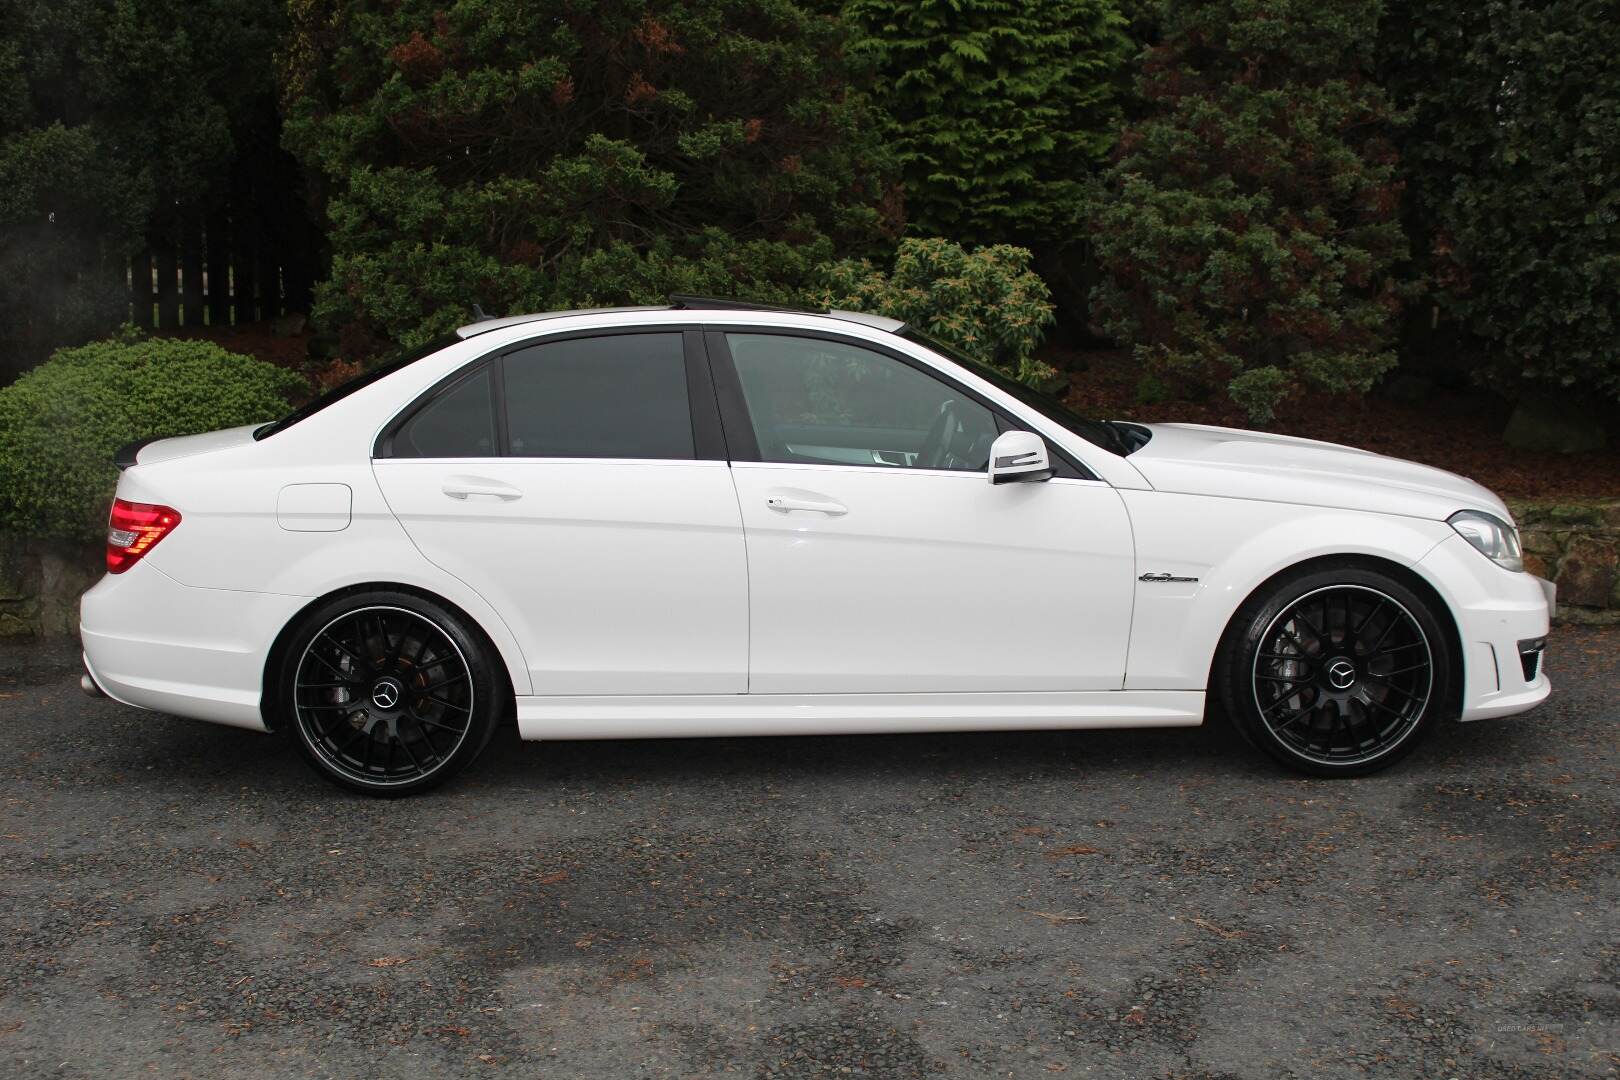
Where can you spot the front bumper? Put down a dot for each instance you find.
(1498, 613)
(154, 643)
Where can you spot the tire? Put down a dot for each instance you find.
(1337, 669)
(387, 693)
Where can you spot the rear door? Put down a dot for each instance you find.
(579, 483)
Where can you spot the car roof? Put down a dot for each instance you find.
(484, 326)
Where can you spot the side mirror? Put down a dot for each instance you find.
(1017, 457)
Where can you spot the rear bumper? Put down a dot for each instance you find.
(154, 643)
(1496, 611)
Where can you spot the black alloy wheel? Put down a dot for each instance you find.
(1337, 674)
(390, 698)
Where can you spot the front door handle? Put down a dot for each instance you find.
(462, 487)
(788, 503)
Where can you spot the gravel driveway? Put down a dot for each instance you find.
(180, 899)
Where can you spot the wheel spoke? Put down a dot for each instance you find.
(346, 651)
(333, 668)
(404, 744)
(1408, 695)
(1299, 613)
(355, 734)
(1401, 648)
(1368, 618)
(427, 737)
(1285, 699)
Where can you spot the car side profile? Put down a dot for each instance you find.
(717, 519)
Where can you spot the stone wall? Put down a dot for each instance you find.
(1576, 545)
(40, 584)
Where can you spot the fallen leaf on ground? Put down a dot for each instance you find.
(1073, 849)
(1205, 924)
(1057, 918)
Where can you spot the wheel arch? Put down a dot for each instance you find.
(1406, 575)
(270, 700)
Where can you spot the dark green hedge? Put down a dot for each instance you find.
(61, 422)
(1512, 170)
(532, 156)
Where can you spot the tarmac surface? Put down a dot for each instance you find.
(178, 899)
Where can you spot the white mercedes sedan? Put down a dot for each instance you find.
(714, 518)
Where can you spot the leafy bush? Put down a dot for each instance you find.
(1001, 108)
(1512, 164)
(531, 156)
(61, 422)
(1247, 230)
(986, 302)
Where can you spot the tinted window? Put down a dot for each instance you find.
(620, 396)
(458, 422)
(828, 402)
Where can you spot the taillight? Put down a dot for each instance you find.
(133, 529)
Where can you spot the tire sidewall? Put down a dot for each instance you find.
(488, 687)
(1235, 686)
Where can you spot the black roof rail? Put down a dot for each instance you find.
(683, 302)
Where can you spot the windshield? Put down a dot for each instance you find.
(343, 390)
(1101, 432)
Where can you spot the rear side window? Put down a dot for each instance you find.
(613, 396)
(457, 422)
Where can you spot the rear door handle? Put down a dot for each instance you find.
(462, 487)
(788, 503)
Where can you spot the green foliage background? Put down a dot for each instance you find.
(1248, 230)
(1512, 165)
(61, 423)
(999, 108)
(1227, 187)
(111, 111)
(986, 302)
(533, 156)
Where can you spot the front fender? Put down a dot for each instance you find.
(1231, 546)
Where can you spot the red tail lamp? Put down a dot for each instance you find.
(135, 528)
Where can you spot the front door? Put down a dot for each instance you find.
(881, 560)
(576, 485)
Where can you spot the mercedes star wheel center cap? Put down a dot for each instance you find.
(1342, 674)
(386, 694)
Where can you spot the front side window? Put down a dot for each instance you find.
(613, 396)
(817, 401)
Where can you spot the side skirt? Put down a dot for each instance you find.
(703, 716)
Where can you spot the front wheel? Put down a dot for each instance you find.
(1335, 671)
(387, 693)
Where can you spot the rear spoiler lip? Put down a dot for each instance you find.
(127, 454)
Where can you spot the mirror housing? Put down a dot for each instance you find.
(1019, 457)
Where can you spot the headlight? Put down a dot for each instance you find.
(1496, 539)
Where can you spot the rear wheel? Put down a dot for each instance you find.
(388, 693)
(1335, 671)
